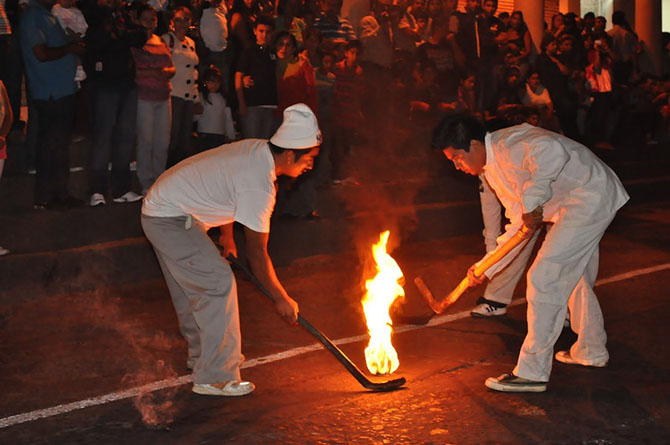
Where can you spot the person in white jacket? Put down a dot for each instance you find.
(543, 177)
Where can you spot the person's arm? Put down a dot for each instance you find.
(239, 89)
(239, 29)
(227, 241)
(261, 265)
(6, 124)
(44, 53)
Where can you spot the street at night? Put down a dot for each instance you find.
(92, 352)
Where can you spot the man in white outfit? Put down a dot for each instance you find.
(543, 177)
(231, 183)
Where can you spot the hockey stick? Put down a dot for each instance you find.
(388, 385)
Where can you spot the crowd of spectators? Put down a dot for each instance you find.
(161, 80)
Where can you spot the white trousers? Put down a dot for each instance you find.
(563, 275)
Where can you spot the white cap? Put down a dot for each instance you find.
(298, 130)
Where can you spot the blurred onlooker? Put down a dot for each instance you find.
(11, 65)
(602, 115)
(215, 120)
(296, 81)
(214, 34)
(288, 19)
(443, 50)
(242, 24)
(325, 89)
(411, 31)
(74, 24)
(184, 85)
(347, 116)
(519, 40)
(599, 32)
(6, 120)
(536, 96)
(557, 26)
(556, 77)
(256, 84)
(113, 97)
(51, 62)
(312, 46)
(587, 23)
(333, 27)
(154, 69)
(624, 45)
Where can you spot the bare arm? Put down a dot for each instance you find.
(261, 265)
(239, 89)
(44, 53)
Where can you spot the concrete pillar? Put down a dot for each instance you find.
(648, 28)
(627, 6)
(566, 6)
(533, 14)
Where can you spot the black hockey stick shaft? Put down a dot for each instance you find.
(325, 341)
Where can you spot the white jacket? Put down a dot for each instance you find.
(214, 28)
(529, 166)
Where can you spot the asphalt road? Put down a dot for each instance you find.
(71, 363)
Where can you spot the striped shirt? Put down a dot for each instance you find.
(5, 28)
(339, 30)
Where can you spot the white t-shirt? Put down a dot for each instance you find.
(216, 117)
(234, 182)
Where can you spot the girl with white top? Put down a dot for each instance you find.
(215, 124)
(184, 93)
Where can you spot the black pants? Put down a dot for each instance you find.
(56, 121)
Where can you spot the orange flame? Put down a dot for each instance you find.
(380, 355)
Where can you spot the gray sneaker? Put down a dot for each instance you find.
(512, 383)
(565, 357)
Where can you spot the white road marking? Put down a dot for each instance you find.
(170, 383)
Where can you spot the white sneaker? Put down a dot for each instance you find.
(512, 383)
(487, 308)
(231, 388)
(565, 357)
(3, 251)
(97, 199)
(129, 197)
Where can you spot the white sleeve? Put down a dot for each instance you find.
(254, 209)
(228, 124)
(491, 214)
(211, 32)
(545, 158)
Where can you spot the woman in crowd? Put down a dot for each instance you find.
(288, 20)
(296, 81)
(518, 39)
(184, 85)
(153, 71)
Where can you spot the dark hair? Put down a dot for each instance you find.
(277, 150)
(211, 73)
(457, 131)
(291, 37)
(546, 40)
(144, 8)
(590, 15)
(503, 15)
(523, 27)
(619, 18)
(353, 44)
(265, 20)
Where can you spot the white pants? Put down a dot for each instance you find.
(153, 138)
(563, 275)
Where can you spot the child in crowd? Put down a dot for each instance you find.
(348, 112)
(74, 24)
(537, 96)
(215, 122)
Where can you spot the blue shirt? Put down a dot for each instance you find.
(53, 79)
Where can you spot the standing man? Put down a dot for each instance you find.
(51, 61)
(539, 177)
(231, 183)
